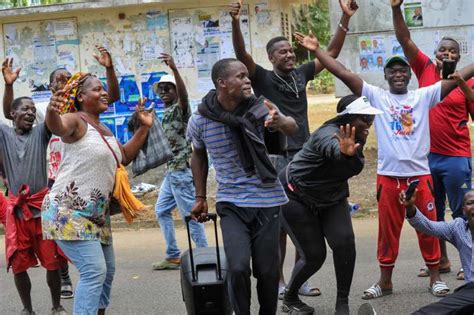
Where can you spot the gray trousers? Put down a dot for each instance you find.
(251, 234)
(461, 302)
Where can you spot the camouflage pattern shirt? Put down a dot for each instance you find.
(174, 125)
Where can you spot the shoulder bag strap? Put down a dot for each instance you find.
(94, 125)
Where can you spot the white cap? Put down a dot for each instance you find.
(167, 78)
(360, 106)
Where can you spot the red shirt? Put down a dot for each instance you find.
(449, 132)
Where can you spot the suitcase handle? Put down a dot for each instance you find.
(213, 217)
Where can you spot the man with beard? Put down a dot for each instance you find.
(285, 86)
(229, 126)
(402, 134)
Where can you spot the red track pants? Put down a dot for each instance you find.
(392, 215)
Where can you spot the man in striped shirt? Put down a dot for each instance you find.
(248, 198)
(460, 233)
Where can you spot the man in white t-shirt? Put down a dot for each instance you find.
(403, 147)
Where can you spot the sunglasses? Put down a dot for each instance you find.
(163, 88)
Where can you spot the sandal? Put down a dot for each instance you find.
(307, 290)
(66, 291)
(425, 272)
(439, 289)
(375, 291)
(460, 274)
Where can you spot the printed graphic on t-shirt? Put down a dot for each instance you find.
(402, 121)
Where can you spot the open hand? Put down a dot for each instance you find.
(309, 42)
(9, 74)
(199, 210)
(57, 102)
(235, 9)
(145, 117)
(168, 60)
(104, 58)
(396, 3)
(346, 138)
(349, 7)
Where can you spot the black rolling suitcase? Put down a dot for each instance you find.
(203, 278)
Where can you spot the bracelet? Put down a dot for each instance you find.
(345, 29)
(200, 197)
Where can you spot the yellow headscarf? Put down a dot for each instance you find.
(72, 87)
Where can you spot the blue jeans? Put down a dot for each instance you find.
(177, 189)
(96, 265)
(452, 178)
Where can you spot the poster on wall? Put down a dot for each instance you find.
(121, 125)
(129, 95)
(365, 53)
(395, 47)
(40, 47)
(200, 37)
(413, 14)
(182, 41)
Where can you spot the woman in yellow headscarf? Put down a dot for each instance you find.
(75, 212)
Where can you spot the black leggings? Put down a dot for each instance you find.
(308, 229)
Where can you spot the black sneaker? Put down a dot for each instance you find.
(297, 308)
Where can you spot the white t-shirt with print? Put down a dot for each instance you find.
(403, 131)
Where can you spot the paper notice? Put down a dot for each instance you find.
(64, 27)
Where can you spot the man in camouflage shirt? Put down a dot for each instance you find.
(177, 189)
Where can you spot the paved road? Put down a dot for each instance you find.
(139, 290)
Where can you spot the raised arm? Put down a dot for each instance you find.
(467, 90)
(180, 87)
(448, 85)
(112, 83)
(401, 31)
(235, 9)
(10, 77)
(348, 7)
(132, 147)
(66, 126)
(423, 224)
(353, 81)
(277, 121)
(200, 167)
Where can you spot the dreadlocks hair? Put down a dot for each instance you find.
(19, 100)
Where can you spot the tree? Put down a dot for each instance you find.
(314, 17)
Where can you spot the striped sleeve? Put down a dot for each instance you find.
(194, 133)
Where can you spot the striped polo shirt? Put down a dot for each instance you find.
(234, 186)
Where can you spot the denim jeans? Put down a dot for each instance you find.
(177, 189)
(96, 265)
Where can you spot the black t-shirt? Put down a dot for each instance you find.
(321, 171)
(266, 83)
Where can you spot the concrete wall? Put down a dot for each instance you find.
(453, 18)
(126, 39)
